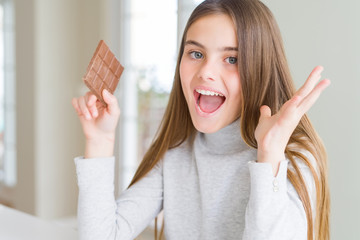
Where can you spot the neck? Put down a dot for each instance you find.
(225, 141)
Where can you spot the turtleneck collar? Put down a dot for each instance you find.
(227, 140)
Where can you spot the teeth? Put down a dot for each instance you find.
(208, 93)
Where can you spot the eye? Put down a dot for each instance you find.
(196, 55)
(231, 60)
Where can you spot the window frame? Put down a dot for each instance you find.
(9, 171)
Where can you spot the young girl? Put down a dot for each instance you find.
(235, 157)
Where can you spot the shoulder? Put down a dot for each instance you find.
(302, 158)
(304, 162)
(183, 152)
(184, 147)
(302, 154)
(308, 168)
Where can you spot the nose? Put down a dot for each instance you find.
(208, 70)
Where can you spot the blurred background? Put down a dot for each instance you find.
(46, 45)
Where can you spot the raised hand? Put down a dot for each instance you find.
(98, 122)
(273, 131)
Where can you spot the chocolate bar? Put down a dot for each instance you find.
(103, 72)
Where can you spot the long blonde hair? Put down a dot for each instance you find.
(265, 80)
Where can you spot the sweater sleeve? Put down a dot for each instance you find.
(100, 216)
(274, 210)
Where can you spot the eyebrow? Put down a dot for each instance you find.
(192, 42)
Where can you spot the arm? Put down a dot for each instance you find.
(100, 216)
(275, 210)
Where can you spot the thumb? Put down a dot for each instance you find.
(265, 111)
(111, 101)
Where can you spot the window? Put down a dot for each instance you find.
(151, 35)
(152, 32)
(7, 95)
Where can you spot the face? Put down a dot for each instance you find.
(209, 73)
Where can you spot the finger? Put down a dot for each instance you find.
(91, 104)
(265, 112)
(309, 100)
(292, 103)
(310, 82)
(75, 104)
(111, 101)
(84, 109)
(90, 98)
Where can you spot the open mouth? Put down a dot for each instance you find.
(208, 101)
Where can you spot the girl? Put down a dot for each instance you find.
(235, 157)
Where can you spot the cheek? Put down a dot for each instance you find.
(234, 87)
(235, 84)
(185, 75)
(181, 71)
(184, 80)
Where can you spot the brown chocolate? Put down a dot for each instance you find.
(103, 72)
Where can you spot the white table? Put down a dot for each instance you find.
(16, 225)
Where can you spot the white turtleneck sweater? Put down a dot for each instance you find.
(213, 189)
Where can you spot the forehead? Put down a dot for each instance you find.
(213, 30)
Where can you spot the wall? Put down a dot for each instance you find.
(57, 73)
(327, 32)
(55, 41)
(23, 196)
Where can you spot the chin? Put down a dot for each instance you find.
(206, 126)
